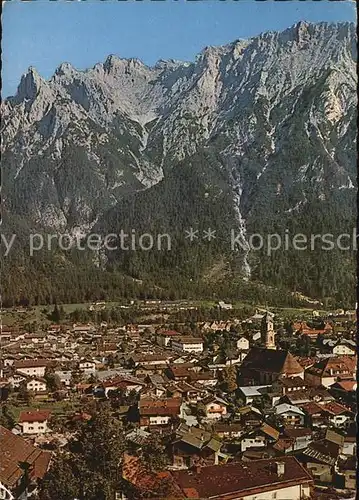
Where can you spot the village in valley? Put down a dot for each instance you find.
(214, 401)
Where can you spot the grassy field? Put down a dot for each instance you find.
(38, 314)
(59, 407)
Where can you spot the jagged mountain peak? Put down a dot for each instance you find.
(114, 63)
(30, 84)
(65, 68)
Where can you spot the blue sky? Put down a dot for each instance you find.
(44, 33)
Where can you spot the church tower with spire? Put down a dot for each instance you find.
(267, 331)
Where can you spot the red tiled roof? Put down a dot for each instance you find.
(168, 333)
(135, 473)
(31, 363)
(121, 382)
(335, 408)
(83, 417)
(142, 358)
(298, 325)
(82, 386)
(202, 376)
(159, 406)
(311, 408)
(297, 432)
(306, 361)
(269, 360)
(238, 479)
(312, 332)
(283, 443)
(34, 416)
(14, 450)
(179, 371)
(347, 385)
(270, 431)
(339, 364)
(189, 340)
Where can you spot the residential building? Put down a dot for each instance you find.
(290, 415)
(34, 421)
(301, 437)
(192, 446)
(15, 451)
(36, 385)
(287, 385)
(348, 468)
(259, 437)
(242, 344)
(250, 416)
(320, 458)
(314, 415)
(214, 407)
(207, 379)
(187, 344)
(338, 415)
(253, 393)
(330, 370)
(228, 431)
(158, 412)
(83, 329)
(345, 347)
(149, 359)
(87, 366)
(31, 367)
(251, 480)
(124, 383)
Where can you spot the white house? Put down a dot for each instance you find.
(243, 344)
(254, 441)
(215, 408)
(34, 421)
(187, 344)
(345, 348)
(338, 414)
(301, 437)
(127, 384)
(36, 385)
(87, 366)
(259, 437)
(31, 367)
(253, 392)
(65, 377)
(291, 415)
(158, 412)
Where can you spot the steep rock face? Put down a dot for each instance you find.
(273, 116)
